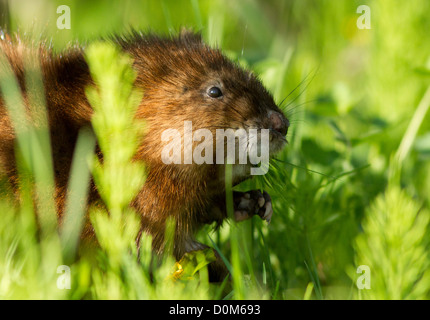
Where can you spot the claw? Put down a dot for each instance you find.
(266, 212)
(261, 202)
(252, 203)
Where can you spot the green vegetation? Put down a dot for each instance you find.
(350, 189)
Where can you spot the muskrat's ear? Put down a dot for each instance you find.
(190, 36)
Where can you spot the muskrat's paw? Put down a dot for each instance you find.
(248, 204)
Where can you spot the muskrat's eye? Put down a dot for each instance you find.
(214, 92)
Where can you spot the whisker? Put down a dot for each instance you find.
(304, 168)
(302, 104)
(301, 82)
(301, 92)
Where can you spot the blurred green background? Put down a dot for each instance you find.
(354, 180)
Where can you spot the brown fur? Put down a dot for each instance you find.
(174, 74)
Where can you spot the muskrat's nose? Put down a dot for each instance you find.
(279, 123)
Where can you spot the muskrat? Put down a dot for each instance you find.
(183, 79)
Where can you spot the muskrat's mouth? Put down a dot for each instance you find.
(277, 135)
(277, 142)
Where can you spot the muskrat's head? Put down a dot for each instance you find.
(189, 86)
